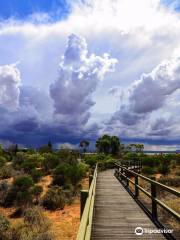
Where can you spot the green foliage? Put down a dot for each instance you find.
(2, 161)
(36, 192)
(66, 173)
(148, 170)
(54, 198)
(23, 183)
(6, 172)
(21, 191)
(103, 144)
(51, 160)
(107, 144)
(36, 175)
(68, 156)
(164, 169)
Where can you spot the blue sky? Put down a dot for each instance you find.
(22, 9)
(78, 69)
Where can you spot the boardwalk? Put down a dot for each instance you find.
(116, 214)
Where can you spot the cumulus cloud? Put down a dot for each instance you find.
(10, 80)
(140, 34)
(150, 92)
(79, 75)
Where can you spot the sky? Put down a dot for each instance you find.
(77, 69)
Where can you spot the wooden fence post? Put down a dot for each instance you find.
(154, 204)
(136, 187)
(83, 198)
(90, 180)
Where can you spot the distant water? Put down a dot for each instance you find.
(160, 152)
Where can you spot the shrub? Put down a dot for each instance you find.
(35, 226)
(18, 160)
(36, 175)
(61, 173)
(170, 181)
(23, 183)
(2, 161)
(34, 217)
(44, 236)
(54, 198)
(20, 191)
(148, 170)
(164, 169)
(91, 160)
(50, 161)
(4, 187)
(36, 192)
(6, 172)
(4, 228)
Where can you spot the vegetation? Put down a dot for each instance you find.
(22, 173)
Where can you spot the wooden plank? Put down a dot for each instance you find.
(116, 214)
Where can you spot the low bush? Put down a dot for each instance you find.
(170, 181)
(2, 161)
(36, 175)
(35, 226)
(6, 171)
(4, 188)
(54, 199)
(164, 169)
(4, 228)
(148, 170)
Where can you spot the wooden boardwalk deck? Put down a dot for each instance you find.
(116, 214)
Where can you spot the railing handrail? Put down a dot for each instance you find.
(167, 188)
(120, 173)
(84, 232)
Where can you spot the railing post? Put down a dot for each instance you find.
(154, 204)
(83, 198)
(90, 180)
(136, 187)
(121, 173)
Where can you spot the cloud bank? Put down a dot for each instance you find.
(10, 80)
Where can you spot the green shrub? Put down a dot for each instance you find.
(6, 172)
(164, 169)
(50, 161)
(36, 192)
(2, 161)
(91, 160)
(4, 188)
(54, 198)
(23, 183)
(148, 170)
(61, 175)
(36, 175)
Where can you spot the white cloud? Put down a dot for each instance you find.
(79, 74)
(10, 80)
(140, 34)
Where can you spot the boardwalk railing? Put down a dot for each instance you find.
(122, 173)
(84, 232)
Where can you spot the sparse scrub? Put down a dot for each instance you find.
(54, 198)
